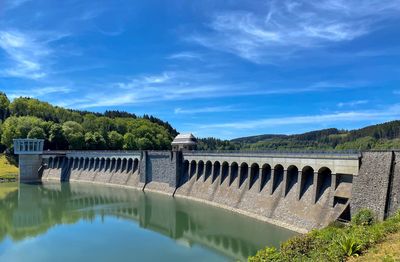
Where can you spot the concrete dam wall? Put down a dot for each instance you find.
(296, 191)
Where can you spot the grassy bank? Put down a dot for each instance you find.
(363, 236)
(8, 167)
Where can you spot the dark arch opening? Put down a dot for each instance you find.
(265, 175)
(278, 177)
(224, 171)
(130, 165)
(217, 169)
(292, 178)
(124, 162)
(50, 162)
(91, 163)
(324, 181)
(254, 174)
(119, 163)
(107, 166)
(76, 163)
(244, 170)
(86, 165)
(200, 169)
(307, 179)
(234, 172)
(208, 170)
(135, 165)
(192, 168)
(102, 164)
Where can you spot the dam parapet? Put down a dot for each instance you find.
(299, 191)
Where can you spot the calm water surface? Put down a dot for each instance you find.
(85, 222)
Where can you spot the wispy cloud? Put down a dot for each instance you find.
(289, 26)
(186, 56)
(39, 91)
(352, 103)
(27, 53)
(11, 4)
(396, 92)
(389, 113)
(188, 85)
(212, 109)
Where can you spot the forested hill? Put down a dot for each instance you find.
(73, 129)
(381, 136)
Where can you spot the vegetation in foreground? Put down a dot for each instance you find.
(336, 242)
(8, 167)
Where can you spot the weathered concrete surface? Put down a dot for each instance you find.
(370, 187)
(394, 203)
(28, 168)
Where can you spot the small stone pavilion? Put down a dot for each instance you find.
(183, 142)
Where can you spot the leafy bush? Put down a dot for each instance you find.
(335, 242)
(365, 217)
(349, 245)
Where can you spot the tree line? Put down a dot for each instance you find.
(76, 130)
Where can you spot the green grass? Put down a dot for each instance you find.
(8, 167)
(334, 243)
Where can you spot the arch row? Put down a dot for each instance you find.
(303, 182)
(95, 164)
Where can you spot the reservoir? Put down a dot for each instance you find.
(87, 222)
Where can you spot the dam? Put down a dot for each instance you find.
(297, 191)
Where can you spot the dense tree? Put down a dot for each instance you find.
(94, 140)
(37, 132)
(130, 142)
(57, 137)
(4, 104)
(18, 127)
(115, 140)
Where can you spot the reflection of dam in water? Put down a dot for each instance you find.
(35, 209)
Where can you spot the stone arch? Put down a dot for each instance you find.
(307, 180)
(200, 169)
(216, 171)
(324, 181)
(102, 163)
(108, 163)
(277, 178)
(113, 164)
(254, 174)
(224, 171)
(234, 172)
(192, 170)
(244, 173)
(208, 170)
(292, 178)
(265, 175)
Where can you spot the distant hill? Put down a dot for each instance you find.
(381, 136)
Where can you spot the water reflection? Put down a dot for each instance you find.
(34, 209)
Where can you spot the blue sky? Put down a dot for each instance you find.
(215, 68)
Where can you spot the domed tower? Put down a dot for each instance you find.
(183, 142)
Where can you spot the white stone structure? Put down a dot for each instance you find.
(184, 142)
(30, 158)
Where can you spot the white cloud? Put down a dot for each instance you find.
(289, 26)
(186, 85)
(186, 56)
(27, 53)
(391, 113)
(352, 103)
(39, 91)
(212, 109)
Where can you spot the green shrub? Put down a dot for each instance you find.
(350, 245)
(365, 217)
(266, 254)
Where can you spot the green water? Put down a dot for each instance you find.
(85, 222)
